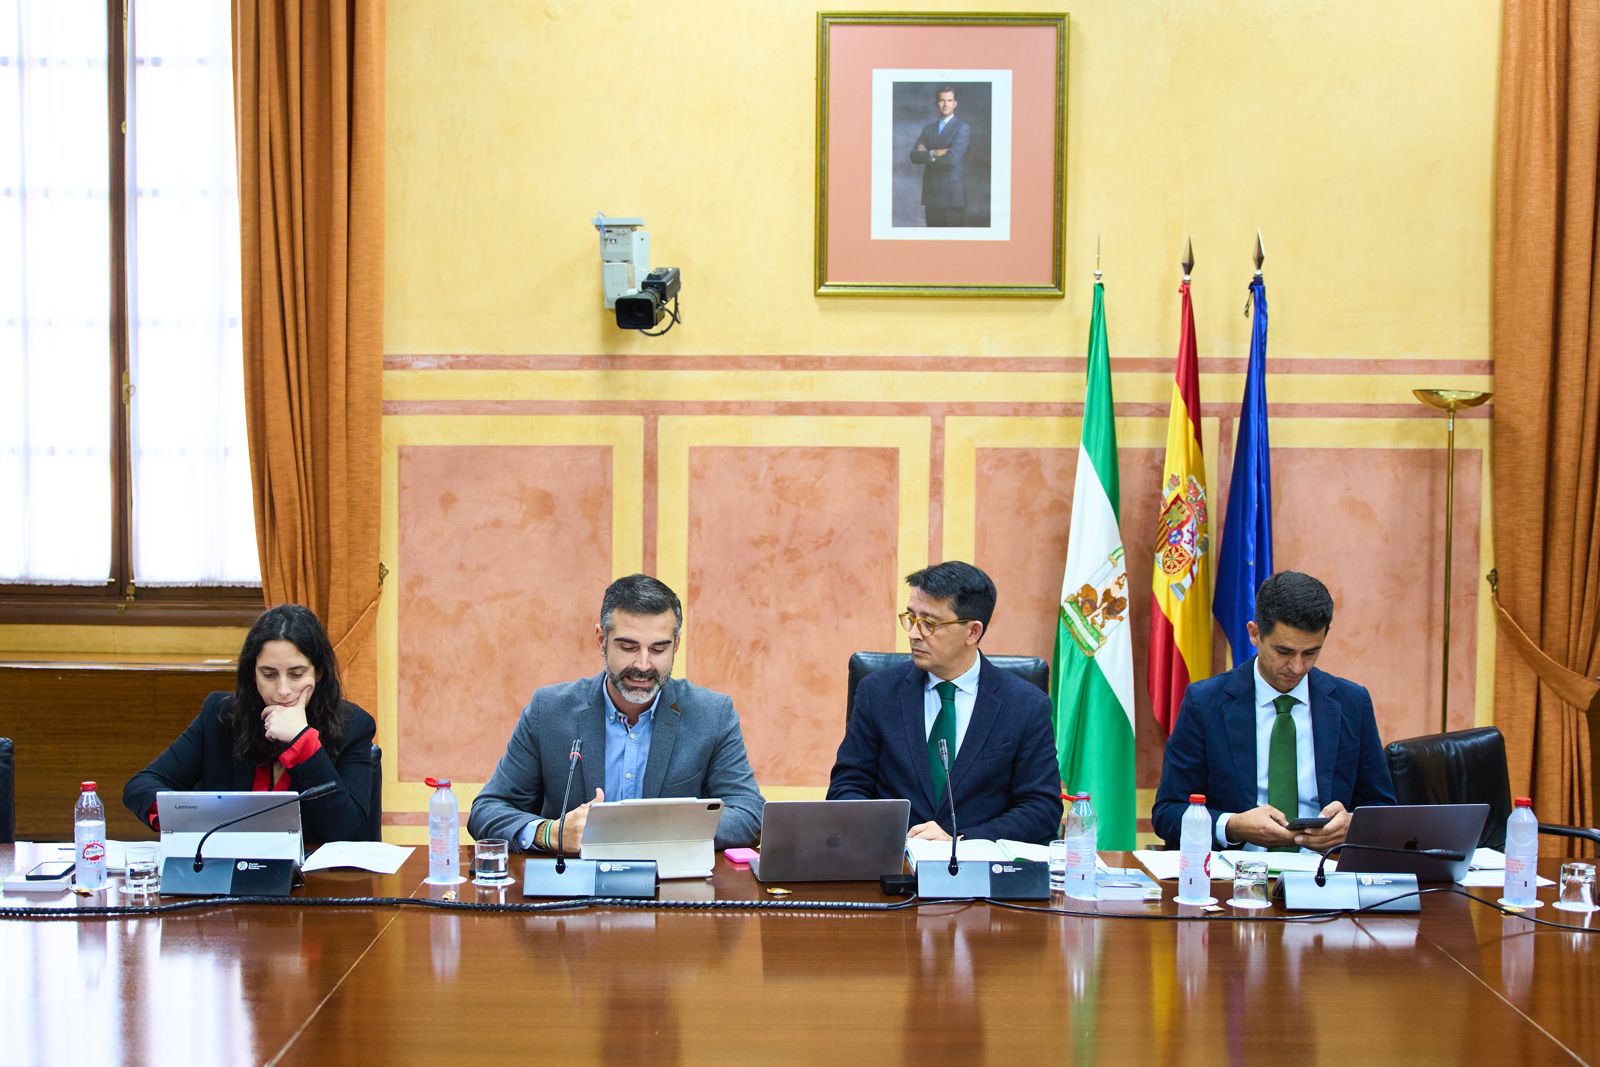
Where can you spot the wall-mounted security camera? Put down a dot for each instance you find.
(637, 294)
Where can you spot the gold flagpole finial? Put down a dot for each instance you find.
(1261, 254)
(1188, 258)
(1097, 255)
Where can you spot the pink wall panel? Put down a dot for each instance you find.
(1370, 523)
(504, 553)
(1024, 508)
(792, 566)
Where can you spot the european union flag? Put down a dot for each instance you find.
(1245, 560)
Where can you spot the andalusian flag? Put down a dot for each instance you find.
(1180, 604)
(1092, 676)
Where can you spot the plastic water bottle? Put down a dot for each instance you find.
(1522, 855)
(89, 838)
(1194, 844)
(1080, 831)
(444, 834)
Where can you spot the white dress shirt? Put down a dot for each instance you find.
(1305, 753)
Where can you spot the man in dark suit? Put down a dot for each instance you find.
(940, 149)
(1274, 739)
(995, 726)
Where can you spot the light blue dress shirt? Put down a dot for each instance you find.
(627, 752)
(966, 695)
(1305, 752)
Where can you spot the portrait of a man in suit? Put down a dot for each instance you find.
(941, 151)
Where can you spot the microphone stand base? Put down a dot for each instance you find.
(591, 878)
(1347, 892)
(224, 876)
(979, 879)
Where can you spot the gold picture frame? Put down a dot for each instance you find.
(941, 154)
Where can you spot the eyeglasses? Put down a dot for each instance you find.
(914, 623)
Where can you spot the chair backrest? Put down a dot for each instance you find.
(375, 809)
(1459, 767)
(1028, 668)
(8, 793)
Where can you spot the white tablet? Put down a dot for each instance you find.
(678, 833)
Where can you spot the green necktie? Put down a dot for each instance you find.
(1283, 772)
(943, 727)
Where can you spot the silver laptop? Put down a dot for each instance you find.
(1454, 827)
(186, 817)
(832, 840)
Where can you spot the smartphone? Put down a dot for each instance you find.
(50, 870)
(1309, 824)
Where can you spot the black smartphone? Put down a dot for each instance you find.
(50, 870)
(1309, 824)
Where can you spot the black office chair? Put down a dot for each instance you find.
(1028, 668)
(8, 793)
(1464, 767)
(375, 802)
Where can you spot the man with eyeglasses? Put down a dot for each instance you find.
(995, 726)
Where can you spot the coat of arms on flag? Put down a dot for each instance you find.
(1183, 533)
(1099, 605)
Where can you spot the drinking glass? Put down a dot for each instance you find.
(489, 861)
(143, 874)
(1058, 865)
(1576, 888)
(1250, 884)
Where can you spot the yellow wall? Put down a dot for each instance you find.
(1357, 135)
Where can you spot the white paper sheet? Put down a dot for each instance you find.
(375, 856)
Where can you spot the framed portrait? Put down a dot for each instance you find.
(941, 154)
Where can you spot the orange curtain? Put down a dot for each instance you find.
(308, 92)
(1547, 403)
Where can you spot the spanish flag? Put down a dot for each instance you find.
(1180, 607)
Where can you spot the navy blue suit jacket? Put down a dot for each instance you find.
(1005, 778)
(1213, 749)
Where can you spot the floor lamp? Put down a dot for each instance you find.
(1448, 401)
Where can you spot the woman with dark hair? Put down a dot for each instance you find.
(286, 726)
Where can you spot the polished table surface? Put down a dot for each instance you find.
(369, 982)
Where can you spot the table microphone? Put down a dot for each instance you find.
(955, 838)
(1438, 853)
(308, 794)
(573, 759)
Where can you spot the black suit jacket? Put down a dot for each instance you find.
(1005, 780)
(1213, 749)
(202, 758)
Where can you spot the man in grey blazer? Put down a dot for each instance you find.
(644, 734)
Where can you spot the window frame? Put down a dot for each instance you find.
(119, 601)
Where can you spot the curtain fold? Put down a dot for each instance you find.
(308, 77)
(1547, 401)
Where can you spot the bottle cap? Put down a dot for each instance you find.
(437, 783)
(1083, 796)
(87, 787)
(1197, 798)
(1523, 802)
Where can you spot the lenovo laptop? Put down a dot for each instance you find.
(832, 840)
(1454, 827)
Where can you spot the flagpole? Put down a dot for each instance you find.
(1448, 401)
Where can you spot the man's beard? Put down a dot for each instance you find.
(637, 688)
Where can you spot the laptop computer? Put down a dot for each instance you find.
(678, 833)
(186, 817)
(1454, 827)
(832, 840)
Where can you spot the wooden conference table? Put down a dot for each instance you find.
(939, 983)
